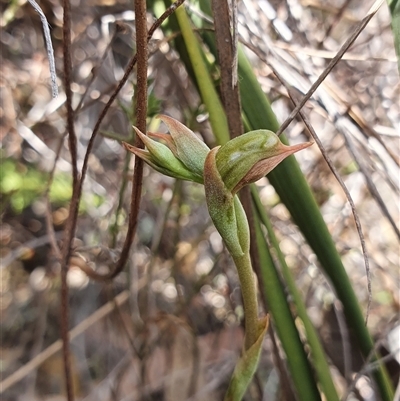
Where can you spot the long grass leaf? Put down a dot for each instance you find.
(317, 352)
(297, 361)
(208, 93)
(293, 190)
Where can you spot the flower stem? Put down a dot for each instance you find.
(249, 294)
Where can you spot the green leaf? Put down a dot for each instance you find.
(293, 190)
(317, 353)
(246, 367)
(275, 294)
(208, 93)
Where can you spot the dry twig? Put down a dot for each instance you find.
(49, 47)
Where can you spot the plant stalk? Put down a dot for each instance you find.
(249, 294)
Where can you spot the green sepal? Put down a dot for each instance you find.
(250, 156)
(189, 148)
(236, 157)
(225, 209)
(163, 160)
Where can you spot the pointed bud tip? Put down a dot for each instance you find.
(133, 149)
(127, 146)
(140, 134)
(301, 146)
(171, 123)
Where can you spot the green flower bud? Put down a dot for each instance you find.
(227, 169)
(223, 170)
(251, 156)
(190, 150)
(180, 155)
(167, 164)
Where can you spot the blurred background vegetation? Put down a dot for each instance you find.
(174, 330)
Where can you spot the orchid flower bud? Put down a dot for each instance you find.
(190, 150)
(223, 170)
(251, 156)
(181, 155)
(227, 169)
(161, 158)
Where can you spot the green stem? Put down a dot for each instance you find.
(249, 294)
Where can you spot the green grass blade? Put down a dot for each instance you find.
(299, 366)
(208, 93)
(293, 190)
(317, 353)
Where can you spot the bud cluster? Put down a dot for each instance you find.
(224, 170)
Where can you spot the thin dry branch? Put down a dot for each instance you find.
(370, 364)
(49, 47)
(226, 55)
(293, 95)
(73, 212)
(360, 27)
(132, 223)
(141, 115)
(35, 362)
(334, 171)
(370, 184)
(49, 218)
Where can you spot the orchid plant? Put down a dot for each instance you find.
(223, 170)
